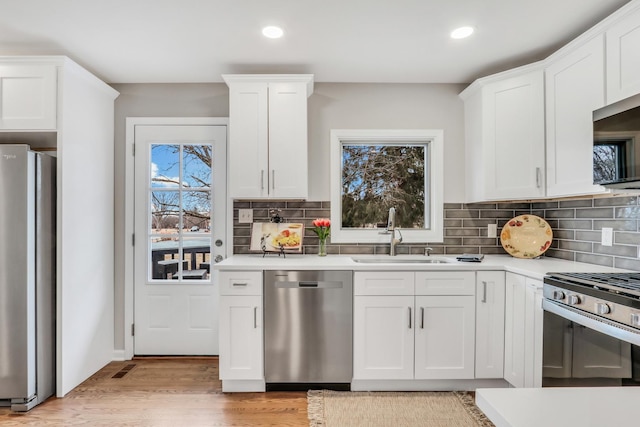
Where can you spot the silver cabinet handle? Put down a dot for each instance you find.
(538, 177)
(273, 179)
(239, 284)
(484, 291)
(409, 317)
(262, 179)
(421, 317)
(255, 317)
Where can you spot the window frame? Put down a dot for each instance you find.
(434, 175)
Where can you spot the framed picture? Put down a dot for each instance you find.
(274, 237)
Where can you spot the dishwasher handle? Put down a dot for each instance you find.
(308, 284)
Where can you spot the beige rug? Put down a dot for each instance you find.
(398, 409)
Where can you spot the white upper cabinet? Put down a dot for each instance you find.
(623, 57)
(28, 96)
(574, 88)
(504, 125)
(268, 135)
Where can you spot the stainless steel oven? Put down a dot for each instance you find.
(591, 329)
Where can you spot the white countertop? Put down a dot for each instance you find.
(561, 406)
(535, 268)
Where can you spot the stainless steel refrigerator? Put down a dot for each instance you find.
(27, 276)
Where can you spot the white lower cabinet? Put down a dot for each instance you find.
(490, 294)
(241, 347)
(241, 331)
(444, 337)
(400, 337)
(383, 338)
(523, 331)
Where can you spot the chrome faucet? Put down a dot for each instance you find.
(391, 229)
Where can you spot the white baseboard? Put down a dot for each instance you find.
(118, 355)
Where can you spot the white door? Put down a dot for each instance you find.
(445, 337)
(180, 211)
(383, 337)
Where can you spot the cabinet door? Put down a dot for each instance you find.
(574, 88)
(383, 337)
(490, 324)
(514, 329)
(288, 140)
(513, 137)
(28, 97)
(623, 60)
(533, 333)
(248, 140)
(445, 337)
(241, 345)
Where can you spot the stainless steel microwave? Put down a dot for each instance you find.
(616, 144)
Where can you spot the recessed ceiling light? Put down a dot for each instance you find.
(272, 32)
(462, 32)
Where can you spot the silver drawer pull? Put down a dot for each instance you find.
(484, 291)
(239, 284)
(255, 317)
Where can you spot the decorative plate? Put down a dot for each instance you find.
(526, 236)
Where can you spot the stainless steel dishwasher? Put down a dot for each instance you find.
(308, 328)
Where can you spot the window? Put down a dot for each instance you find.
(610, 160)
(375, 170)
(180, 209)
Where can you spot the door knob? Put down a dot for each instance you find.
(218, 258)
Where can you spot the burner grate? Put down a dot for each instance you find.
(617, 282)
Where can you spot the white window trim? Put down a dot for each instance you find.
(435, 140)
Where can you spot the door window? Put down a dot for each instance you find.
(180, 211)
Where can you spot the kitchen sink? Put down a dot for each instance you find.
(400, 260)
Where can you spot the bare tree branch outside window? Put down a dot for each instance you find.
(195, 185)
(378, 177)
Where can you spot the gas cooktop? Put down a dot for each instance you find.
(628, 283)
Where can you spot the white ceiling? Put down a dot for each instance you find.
(162, 41)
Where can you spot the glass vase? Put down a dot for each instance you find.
(322, 247)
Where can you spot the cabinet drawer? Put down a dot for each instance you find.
(445, 283)
(383, 283)
(240, 282)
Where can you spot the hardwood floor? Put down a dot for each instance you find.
(162, 392)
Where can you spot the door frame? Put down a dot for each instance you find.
(131, 123)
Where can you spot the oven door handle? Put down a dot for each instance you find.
(601, 325)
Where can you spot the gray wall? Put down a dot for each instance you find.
(332, 105)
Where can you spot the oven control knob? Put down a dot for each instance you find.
(602, 308)
(558, 295)
(635, 319)
(573, 300)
